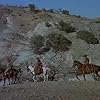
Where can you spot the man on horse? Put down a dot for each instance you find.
(38, 67)
(85, 63)
(9, 65)
(86, 60)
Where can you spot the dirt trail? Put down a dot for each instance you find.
(52, 91)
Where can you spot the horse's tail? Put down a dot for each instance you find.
(97, 67)
(94, 68)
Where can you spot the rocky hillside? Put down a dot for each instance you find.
(59, 38)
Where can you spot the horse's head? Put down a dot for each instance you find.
(74, 63)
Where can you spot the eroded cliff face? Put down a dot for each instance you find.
(19, 25)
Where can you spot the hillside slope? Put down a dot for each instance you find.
(18, 26)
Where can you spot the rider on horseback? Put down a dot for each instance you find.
(38, 67)
(9, 65)
(85, 62)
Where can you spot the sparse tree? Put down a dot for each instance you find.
(32, 7)
(63, 26)
(43, 9)
(65, 12)
(51, 10)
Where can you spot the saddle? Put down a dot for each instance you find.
(87, 67)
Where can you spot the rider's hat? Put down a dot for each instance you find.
(85, 55)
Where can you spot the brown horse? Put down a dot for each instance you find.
(86, 69)
(2, 71)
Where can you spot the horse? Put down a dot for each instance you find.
(13, 74)
(2, 70)
(89, 69)
(44, 73)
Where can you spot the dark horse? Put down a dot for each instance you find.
(90, 68)
(11, 74)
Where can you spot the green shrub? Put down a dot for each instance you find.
(47, 24)
(98, 21)
(87, 37)
(58, 42)
(63, 26)
(38, 41)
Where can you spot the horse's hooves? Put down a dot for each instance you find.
(11, 82)
(78, 79)
(4, 87)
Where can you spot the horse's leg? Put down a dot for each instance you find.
(84, 75)
(34, 78)
(77, 76)
(17, 79)
(9, 80)
(44, 76)
(14, 80)
(97, 76)
(4, 82)
(84, 71)
(47, 77)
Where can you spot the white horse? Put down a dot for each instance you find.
(44, 74)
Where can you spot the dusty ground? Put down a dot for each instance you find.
(52, 91)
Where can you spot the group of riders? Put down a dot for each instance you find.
(37, 69)
(39, 65)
